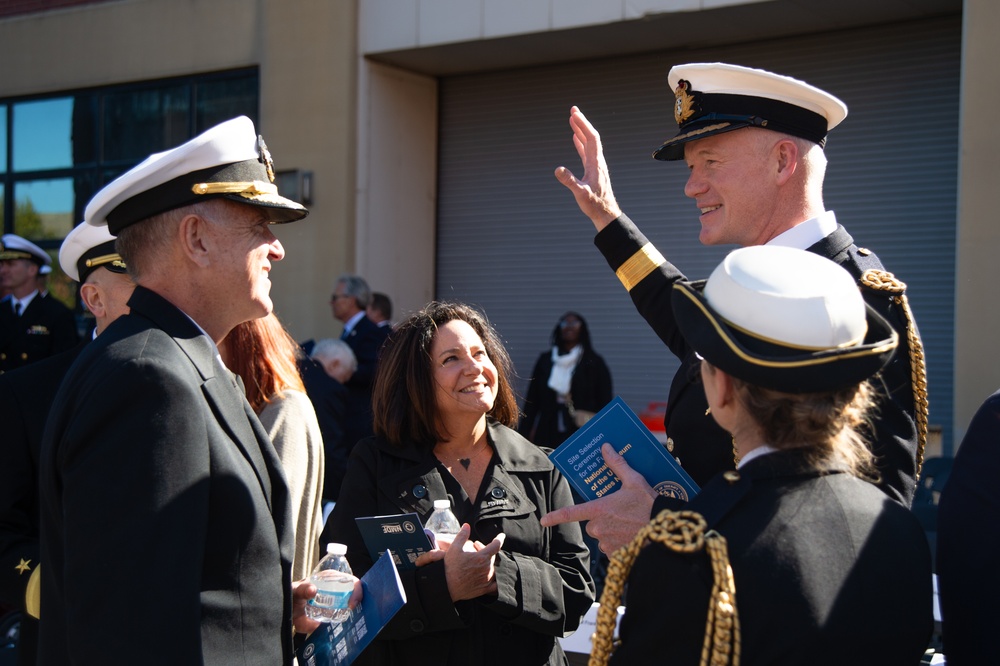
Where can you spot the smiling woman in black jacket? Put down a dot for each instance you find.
(443, 404)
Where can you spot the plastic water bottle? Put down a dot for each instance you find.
(334, 583)
(443, 524)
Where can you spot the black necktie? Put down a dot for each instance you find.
(17, 308)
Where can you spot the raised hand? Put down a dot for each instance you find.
(593, 192)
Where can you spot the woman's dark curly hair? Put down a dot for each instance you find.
(404, 398)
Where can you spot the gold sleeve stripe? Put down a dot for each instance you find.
(33, 594)
(639, 265)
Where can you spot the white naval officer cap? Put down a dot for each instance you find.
(13, 246)
(785, 319)
(228, 161)
(712, 98)
(86, 249)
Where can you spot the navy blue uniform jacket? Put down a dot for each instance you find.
(25, 399)
(165, 525)
(46, 327)
(968, 541)
(702, 447)
(828, 570)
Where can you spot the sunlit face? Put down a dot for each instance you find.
(730, 181)
(465, 378)
(18, 276)
(241, 256)
(343, 306)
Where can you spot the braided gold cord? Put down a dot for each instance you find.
(681, 532)
(885, 281)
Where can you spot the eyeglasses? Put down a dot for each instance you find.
(572, 323)
(334, 297)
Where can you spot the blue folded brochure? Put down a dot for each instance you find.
(580, 461)
(340, 644)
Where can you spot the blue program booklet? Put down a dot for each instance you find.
(580, 460)
(402, 534)
(340, 644)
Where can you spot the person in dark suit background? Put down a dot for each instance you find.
(328, 368)
(351, 296)
(968, 539)
(88, 256)
(753, 142)
(380, 309)
(794, 558)
(165, 521)
(33, 325)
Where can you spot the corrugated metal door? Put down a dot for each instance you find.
(511, 239)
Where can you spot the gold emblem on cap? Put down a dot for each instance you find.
(684, 102)
(265, 157)
(113, 259)
(24, 566)
(247, 189)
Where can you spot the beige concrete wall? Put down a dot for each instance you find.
(977, 307)
(400, 24)
(397, 184)
(307, 54)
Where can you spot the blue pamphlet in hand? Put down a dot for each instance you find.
(339, 644)
(580, 461)
(401, 533)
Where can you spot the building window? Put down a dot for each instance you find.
(57, 150)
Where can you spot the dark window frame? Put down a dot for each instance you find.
(101, 171)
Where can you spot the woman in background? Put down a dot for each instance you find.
(264, 355)
(569, 383)
(443, 406)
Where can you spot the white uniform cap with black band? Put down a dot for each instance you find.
(228, 161)
(712, 98)
(88, 248)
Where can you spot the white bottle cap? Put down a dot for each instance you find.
(336, 549)
(442, 504)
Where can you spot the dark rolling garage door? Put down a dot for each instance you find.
(512, 240)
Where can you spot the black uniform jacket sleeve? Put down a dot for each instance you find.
(701, 446)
